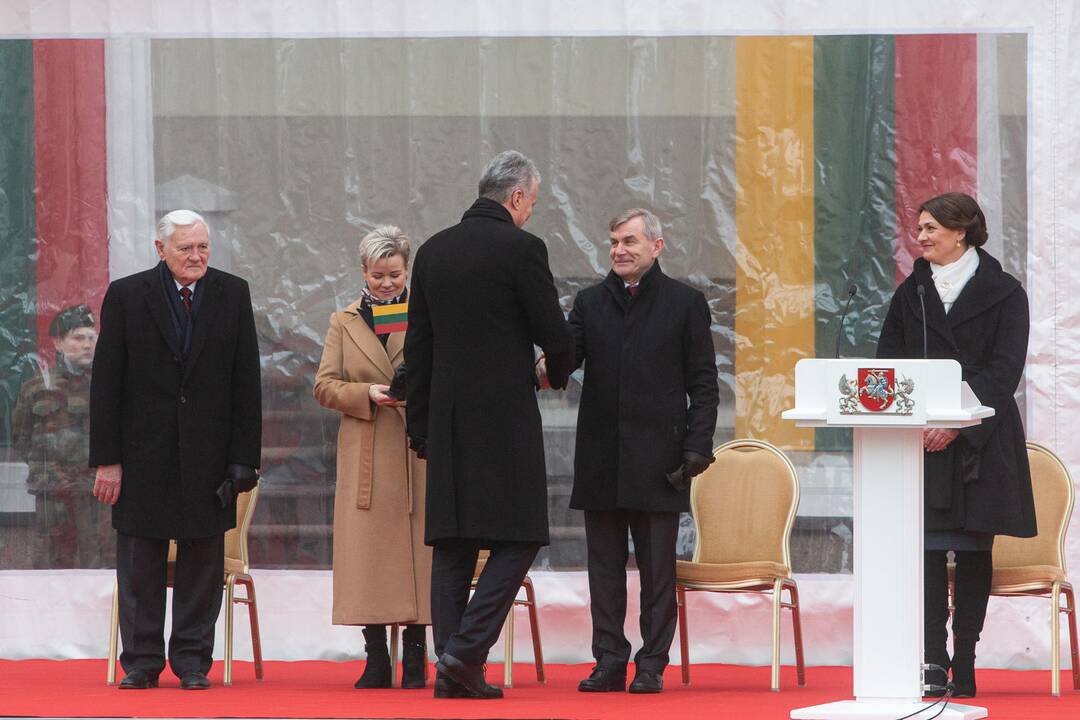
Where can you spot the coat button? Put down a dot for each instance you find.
(183, 399)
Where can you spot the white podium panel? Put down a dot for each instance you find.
(888, 403)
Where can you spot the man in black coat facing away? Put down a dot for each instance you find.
(175, 432)
(482, 296)
(646, 343)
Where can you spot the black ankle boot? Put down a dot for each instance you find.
(377, 668)
(413, 664)
(963, 668)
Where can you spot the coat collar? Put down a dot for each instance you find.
(368, 342)
(986, 288)
(209, 312)
(617, 287)
(486, 208)
(156, 305)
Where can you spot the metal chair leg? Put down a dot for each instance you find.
(114, 629)
(778, 586)
(393, 652)
(253, 621)
(230, 594)
(534, 626)
(508, 662)
(796, 626)
(684, 634)
(1070, 603)
(1055, 639)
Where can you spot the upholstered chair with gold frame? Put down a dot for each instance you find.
(1035, 567)
(744, 506)
(237, 572)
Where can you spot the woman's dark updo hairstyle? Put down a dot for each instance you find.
(959, 211)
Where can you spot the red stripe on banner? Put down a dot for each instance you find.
(390, 328)
(70, 196)
(936, 129)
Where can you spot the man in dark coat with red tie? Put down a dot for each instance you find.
(645, 427)
(175, 432)
(482, 296)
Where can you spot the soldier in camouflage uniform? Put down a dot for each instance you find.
(51, 433)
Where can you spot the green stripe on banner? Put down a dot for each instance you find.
(17, 285)
(854, 196)
(395, 318)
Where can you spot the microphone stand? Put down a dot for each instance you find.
(851, 292)
(922, 307)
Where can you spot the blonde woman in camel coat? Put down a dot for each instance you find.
(382, 569)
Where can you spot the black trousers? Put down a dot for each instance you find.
(467, 628)
(654, 535)
(142, 576)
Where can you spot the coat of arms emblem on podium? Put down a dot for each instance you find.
(876, 390)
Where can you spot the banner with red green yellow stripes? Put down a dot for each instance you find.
(390, 318)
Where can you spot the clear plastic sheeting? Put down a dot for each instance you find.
(783, 169)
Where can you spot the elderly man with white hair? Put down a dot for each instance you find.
(175, 433)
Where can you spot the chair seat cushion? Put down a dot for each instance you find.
(692, 573)
(1026, 574)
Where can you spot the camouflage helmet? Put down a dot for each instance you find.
(70, 318)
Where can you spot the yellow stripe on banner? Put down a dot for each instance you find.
(774, 220)
(397, 309)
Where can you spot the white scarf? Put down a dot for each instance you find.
(950, 279)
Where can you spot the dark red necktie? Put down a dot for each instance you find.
(185, 300)
(632, 290)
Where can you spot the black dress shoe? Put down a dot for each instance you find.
(647, 682)
(194, 680)
(138, 680)
(447, 688)
(470, 677)
(604, 678)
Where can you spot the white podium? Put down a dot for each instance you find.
(888, 403)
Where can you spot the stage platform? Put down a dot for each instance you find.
(76, 688)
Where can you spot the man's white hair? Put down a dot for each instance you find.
(178, 218)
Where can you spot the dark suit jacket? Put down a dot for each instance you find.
(650, 391)
(482, 296)
(981, 481)
(174, 425)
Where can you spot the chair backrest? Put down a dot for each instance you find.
(744, 504)
(236, 540)
(1053, 490)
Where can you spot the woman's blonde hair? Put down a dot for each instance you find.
(383, 242)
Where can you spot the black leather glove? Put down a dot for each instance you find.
(397, 384)
(238, 479)
(419, 446)
(693, 464)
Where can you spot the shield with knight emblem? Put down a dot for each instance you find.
(877, 388)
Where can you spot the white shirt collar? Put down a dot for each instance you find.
(178, 285)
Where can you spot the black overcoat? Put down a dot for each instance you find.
(981, 481)
(174, 424)
(482, 296)
(650, 391)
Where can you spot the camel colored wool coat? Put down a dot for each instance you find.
(382, 569)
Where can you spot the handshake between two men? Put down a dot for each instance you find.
(693, 463)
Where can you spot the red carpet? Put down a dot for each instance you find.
(76, 688)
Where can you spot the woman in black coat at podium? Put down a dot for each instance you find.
(977, 480)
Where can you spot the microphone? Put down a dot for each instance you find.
(922, 306)
(852, 290)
